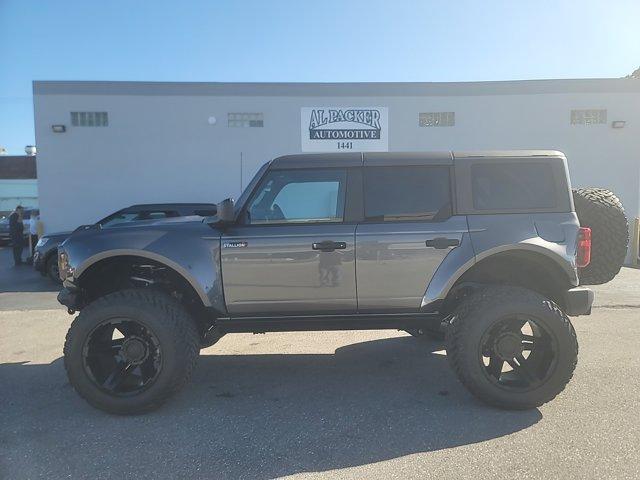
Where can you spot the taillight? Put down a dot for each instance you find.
(583, 247)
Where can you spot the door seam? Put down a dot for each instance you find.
(355, 265)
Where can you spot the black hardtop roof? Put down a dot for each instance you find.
(357, 159)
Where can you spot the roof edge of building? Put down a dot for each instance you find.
(364, 89)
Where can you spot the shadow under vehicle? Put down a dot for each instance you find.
(273, 416)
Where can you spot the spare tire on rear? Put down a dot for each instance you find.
(600, 210)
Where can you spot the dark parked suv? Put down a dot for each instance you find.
(5, 233)
(45, 259)
(484, 247)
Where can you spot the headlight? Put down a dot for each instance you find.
(42, 242)
(64, 268)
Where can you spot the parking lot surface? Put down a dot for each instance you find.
(375, 404)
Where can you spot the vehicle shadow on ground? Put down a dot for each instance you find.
(31, 282)
(23, 278)
(255, 416)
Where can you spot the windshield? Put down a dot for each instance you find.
(244, 196)
(118, 218)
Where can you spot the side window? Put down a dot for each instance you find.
(154, 215)
(513, 186)
(125, 217)
(117, 218)
(299, 196)
(406, 193)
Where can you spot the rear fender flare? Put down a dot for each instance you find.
(454, 266)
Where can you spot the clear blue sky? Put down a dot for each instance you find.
(320, 41)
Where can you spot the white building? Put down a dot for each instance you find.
(106, 145)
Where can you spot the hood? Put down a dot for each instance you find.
(57, 235)
(147, 229)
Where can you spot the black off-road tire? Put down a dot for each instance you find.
(477, 313)
(602, 211)
(52, 269)
(174, 328)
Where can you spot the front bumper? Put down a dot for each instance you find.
(578, 301)
(71, 298)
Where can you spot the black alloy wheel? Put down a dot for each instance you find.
(511, 347)
(122, 356)
(518, 353)
(52, 269)
(131, 350)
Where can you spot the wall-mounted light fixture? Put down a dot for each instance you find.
(212, 120)
(58, 128)
(618, 124)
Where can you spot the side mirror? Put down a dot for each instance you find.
(225, 211)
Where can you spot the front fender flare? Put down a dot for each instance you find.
(92, 260)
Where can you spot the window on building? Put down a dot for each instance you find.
(89, 119)
(513, 186)
(299, 196)
(436, 119)
(406, 193)
(588, 117)
(245, 119)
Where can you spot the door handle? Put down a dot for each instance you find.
(328, 246)
(442, 242)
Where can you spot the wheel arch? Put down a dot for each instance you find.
(94, 263)
(524, 264)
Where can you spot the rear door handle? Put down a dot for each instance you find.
(329, 246)
(442, 242)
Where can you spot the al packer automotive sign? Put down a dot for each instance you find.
(330, 129)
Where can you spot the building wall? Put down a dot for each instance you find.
(161, 148)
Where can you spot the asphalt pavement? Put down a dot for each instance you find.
(22, 288)
(363, 404)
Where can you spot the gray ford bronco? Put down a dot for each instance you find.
(483, 248)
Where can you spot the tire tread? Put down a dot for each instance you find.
(603, 212)
(465, 314)
(184, 330)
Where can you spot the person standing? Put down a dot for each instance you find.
(33, 231)
(16, 232)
